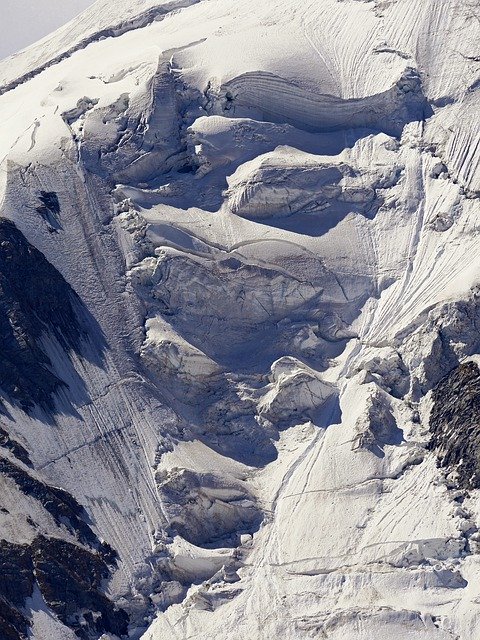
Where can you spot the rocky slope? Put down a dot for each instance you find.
(239, 320)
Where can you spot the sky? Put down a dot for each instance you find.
(23, 22)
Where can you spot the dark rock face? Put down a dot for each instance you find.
(69, 578)
(34, 299)
(49, 199)
(7, 442)
(13, 624)
(455, 424)
(60, 504)
(50, 210)
(16, 579)
(16, 585)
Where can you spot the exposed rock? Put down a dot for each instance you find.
(455, 424)
(69, 576)
(16, 585)
(70, 579)
(13, 624)
(60, 504)
(34, 299)
(7, 442)
(16, 578)
(439, 170)
(50, 209)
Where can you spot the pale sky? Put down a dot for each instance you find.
(23, 22)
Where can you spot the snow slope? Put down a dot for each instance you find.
(269, 214)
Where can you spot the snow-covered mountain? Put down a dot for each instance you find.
(239, 373)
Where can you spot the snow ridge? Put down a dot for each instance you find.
(153, 14)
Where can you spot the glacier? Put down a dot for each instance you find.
(239, 312)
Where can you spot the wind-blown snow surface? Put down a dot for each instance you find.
(269, 214)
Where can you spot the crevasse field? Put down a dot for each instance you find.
(239, 323)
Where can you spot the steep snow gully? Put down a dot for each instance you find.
(239, 312)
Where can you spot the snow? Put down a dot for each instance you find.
(271, 211)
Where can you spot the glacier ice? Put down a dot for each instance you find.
(239, 369)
